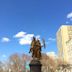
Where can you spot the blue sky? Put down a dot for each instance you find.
(41, 18)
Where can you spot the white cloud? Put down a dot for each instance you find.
(29, 35)
(20, 34)
(26, 39)
(52, 54)
(51, 39)
(69, 15)
(5, 39)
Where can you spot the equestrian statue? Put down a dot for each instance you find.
(35, 48)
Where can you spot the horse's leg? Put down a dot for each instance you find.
(39, 54)
(36, 52)
(33, 53)
(30, 50)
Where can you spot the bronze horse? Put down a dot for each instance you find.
(35, 52)
(35, 49)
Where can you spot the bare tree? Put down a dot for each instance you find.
(1, 65)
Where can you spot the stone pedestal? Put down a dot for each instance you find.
(35, 66)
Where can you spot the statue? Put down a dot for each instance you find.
(36, 48)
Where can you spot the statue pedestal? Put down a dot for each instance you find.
(35, 66)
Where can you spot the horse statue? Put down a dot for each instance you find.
(36, 48)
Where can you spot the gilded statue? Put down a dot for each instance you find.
(35, 48)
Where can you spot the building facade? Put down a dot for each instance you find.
(64, 43)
